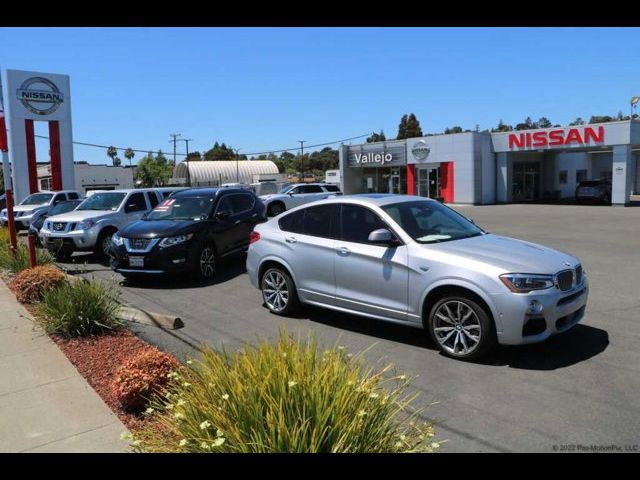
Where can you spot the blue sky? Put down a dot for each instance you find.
(261, 89)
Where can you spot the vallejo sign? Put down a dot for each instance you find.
(391, 155)
(380, 158)
(40, 95)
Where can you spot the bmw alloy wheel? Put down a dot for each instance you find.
(275, 291)
(207, 262)
(457, 328)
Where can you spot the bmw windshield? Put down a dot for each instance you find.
(103, 201)
(431, 222)
(182, 208)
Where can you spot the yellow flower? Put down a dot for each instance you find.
(292, 383)
(183, 442)
(219, 433)
(225, 396)
(189, 362)
(186, 384)
(398, 444)
(181, 402)
(126, 436)
(402, 377)
(341, 347)
(435, 445)
(204, 425)
(374, 395)
(205, 446)
(180, 416)
(149, 411)
(362, 413)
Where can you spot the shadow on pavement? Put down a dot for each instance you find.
(580, 343)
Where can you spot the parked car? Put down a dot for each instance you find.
(36, 205)
(296, 194)
(3, 201)
(594, 191)
(91, 225)
(187, 233)
(414, 261)
(167, 191)
(62, 207)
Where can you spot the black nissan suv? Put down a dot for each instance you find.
(187, 233)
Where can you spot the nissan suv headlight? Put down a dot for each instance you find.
(117, 240)
(86, 225)
(526, 282)
(171, 241)
(25, 213)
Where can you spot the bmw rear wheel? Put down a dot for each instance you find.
(279, 292)
(461, 328)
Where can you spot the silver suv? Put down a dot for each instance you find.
(296, 194)
(91, 225)
(36, 205)
(414, 261)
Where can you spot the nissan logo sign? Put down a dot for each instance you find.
(40, 96)
(420, 150)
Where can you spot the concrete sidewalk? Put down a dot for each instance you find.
(45, 404)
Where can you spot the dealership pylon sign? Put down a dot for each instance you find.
(31, 97)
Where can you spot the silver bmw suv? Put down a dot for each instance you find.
(414, 261)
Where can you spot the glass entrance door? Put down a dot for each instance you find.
(429, 182)
(526, 181)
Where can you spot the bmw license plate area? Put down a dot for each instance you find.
(136, 261)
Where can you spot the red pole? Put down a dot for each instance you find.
(54, 148)
(32, 250)
(4, 147)
(31, 156)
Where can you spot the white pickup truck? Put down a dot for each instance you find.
(36, 205)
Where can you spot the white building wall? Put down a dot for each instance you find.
(571, 162)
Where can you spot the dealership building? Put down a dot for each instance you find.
(503, 167)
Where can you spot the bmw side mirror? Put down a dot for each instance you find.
(382, 236)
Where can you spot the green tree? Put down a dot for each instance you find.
(544, 122)
(528, 124)
(194, 156)
(112, 153)
(502, 127)
(455, 129)
(376, 137)
(220, 152)
(600, 119)
(154, 171)
(577, 121)
(413, 127)
(129, 154)
(402, 127)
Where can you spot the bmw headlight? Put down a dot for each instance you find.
(86, 225)
(526, 282)
(171, 241)
(117, 240)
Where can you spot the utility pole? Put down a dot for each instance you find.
(186, 159)
(237, 165)
(302, 159)
(174, 135)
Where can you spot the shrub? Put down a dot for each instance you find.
(74, 309)
(30, 284)
(20, 261)
(284, 397)
(141, 376)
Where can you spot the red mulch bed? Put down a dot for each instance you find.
(97, 359)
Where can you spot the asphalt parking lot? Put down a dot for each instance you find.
(579, 388)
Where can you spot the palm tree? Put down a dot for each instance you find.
(112, 152)
(129, 154)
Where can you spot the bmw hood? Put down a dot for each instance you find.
(155, 228)
(508, 254)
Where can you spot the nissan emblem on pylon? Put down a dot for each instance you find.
(38, 100)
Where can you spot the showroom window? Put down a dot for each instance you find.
(563, 177)
(581, 175)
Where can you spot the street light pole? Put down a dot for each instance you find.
(174, 135)
(186, 159)
(302, 158)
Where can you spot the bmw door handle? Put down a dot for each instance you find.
(343, 251)
(290, 239)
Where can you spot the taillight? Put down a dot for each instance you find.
(254, 237)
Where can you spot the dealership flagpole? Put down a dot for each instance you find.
(6, 170)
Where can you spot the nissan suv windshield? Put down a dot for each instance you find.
(103, 201)
(431, 222)
(37, 199)
(182, 208)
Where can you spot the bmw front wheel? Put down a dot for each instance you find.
(279, 292)
(461, 328)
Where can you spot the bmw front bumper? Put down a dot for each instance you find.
(518, 323)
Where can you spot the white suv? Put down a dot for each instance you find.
(91, 225)
(36, 205)
(296, 194)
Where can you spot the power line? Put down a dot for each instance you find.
(293, 149)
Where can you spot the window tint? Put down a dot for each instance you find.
(318, 221)
(358, 222)
(153, 199)
(60, 197)
(165, 194)
(242, 202)
(331, 188)
(72, 196)
(311, 189)
(292, 222)
(136, 203)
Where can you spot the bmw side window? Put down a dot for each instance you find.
(153, 199)
(136, 203)
(318, 221)
(358, 222)
(292, 222)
